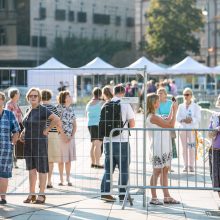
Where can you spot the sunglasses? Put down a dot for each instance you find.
(33, 96)
(186, 94)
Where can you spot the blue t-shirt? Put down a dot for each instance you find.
(93, 114)
(164, 109)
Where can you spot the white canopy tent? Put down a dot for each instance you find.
(99, 67)
(191, 67)
(152, 68)
(50, 74)
(216, 70)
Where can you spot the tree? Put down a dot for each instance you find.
(172, 28)
(76, 52)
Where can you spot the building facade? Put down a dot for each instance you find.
(209, 37)
(28, 28)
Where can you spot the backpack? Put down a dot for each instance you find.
(110, 118)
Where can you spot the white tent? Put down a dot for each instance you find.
(216, 70)
(189, 66)
(152, 68)
(50, 74)
(99, 67)
(95, 67)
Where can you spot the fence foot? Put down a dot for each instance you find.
(127, 198)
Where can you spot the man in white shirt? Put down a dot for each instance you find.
(120, 144)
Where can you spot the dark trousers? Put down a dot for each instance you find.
(122, 161)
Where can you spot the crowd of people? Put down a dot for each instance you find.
(48, 135)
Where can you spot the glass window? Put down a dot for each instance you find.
(60, 15)
(2, 36)
(81, 16)
(42, 13)
(71, 16)
(2, 4)
(101, 19)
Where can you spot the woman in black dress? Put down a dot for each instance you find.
(35, 143)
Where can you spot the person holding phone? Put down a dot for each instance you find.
(160, 147)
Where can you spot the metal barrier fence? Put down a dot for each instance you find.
(140, 168)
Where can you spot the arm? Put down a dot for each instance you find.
(131, 123)
(168, 123)
(15, 137)
(196, 118)
(54, 121)
(74, 128)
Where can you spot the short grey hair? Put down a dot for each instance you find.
(12, 92)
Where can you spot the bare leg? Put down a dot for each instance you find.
(153, 181)
(61, 171)
(92, 156)
(164, 181)
(43, 181)
(68, 168)
(32, 180)
(97, 151)
(3, 187)
(50, 174)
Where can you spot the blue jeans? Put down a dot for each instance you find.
(123, 164)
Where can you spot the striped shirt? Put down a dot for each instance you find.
(53, 109)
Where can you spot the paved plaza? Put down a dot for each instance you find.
(82, 200)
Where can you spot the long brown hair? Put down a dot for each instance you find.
(151, 100)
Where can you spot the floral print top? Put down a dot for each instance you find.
(67, 117)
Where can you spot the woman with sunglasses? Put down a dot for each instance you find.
(188, 116)
(35, 140)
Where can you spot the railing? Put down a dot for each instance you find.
(139, 180)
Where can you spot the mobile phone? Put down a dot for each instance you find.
(173, 99)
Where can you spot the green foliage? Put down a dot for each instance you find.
(77, 52)
(172, 25)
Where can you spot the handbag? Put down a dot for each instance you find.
(19, 147)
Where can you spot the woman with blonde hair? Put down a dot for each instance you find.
(160, 147)
(188, 116)
(107, 93)
(35, 140)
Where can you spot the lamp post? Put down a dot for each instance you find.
(206, 13)
(211, 39)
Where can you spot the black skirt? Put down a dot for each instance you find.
(214, 165)
(95, 133)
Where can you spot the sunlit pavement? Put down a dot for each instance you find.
(82, 200)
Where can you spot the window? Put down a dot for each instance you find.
(81, 16)
(42, 13)
(2, 36)
(130, 22)
(2, 4)
(117, 20)
(60, 15)
(101, 19)
(71, 16)
(40, 41)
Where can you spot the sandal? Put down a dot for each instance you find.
(155, 201)
(40, 201)
(170, 200)
(60, 184)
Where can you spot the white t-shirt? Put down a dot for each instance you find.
(127, 114)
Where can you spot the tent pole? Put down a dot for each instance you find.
(144, 138)
(216, 92)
